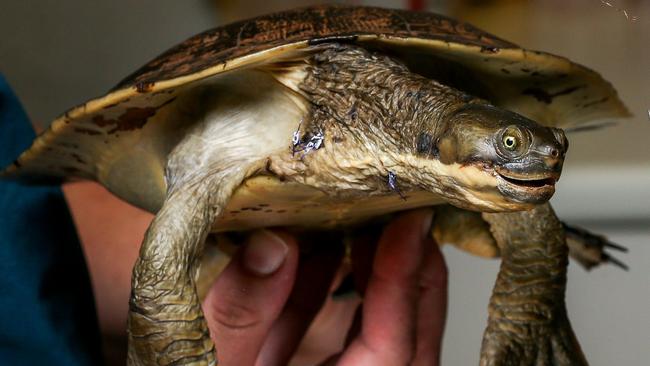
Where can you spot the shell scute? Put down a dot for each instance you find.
(247, 37)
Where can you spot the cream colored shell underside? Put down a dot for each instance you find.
(265, 201)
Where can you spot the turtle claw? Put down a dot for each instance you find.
(614, 246)
(612, 260)
(590, 249)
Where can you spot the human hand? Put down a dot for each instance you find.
(260, 307)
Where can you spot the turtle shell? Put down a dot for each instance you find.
(547, 88)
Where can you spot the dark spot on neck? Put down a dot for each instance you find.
(424, 143)
(435, 152)
(353, 113)
(466, 98)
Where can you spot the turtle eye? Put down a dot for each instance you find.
(510, 142)
(514, 141)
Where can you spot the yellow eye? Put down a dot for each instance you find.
(510, 142)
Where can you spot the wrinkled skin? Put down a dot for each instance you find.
(432, 137)
(528, 322)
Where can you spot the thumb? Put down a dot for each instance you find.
(249, 295)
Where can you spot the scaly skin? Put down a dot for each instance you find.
(166, 324)
(528, 323)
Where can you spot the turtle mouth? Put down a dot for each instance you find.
(528, 182)
(532, 188)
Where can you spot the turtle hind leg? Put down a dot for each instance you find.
(528, 323)
(590, 250)
(468, 231)
(166, 324)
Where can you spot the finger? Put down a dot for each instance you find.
(353, 331)
(316, 270)
(432, 307)
(363, 248)
(355, 327)
(248, 296)
(390, 304)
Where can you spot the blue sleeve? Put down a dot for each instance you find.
(47, 312)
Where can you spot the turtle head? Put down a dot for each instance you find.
(498, 158)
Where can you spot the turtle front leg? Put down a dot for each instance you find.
(166, 324)
(528, 323)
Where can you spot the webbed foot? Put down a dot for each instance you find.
(524, 342)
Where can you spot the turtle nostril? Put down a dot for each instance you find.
(561, 138)
(555, 153)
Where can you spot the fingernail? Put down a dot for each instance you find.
(427, 221)
(264, 253)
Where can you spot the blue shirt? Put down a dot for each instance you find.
(47, 312)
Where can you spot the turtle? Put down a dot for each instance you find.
(324, 118)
